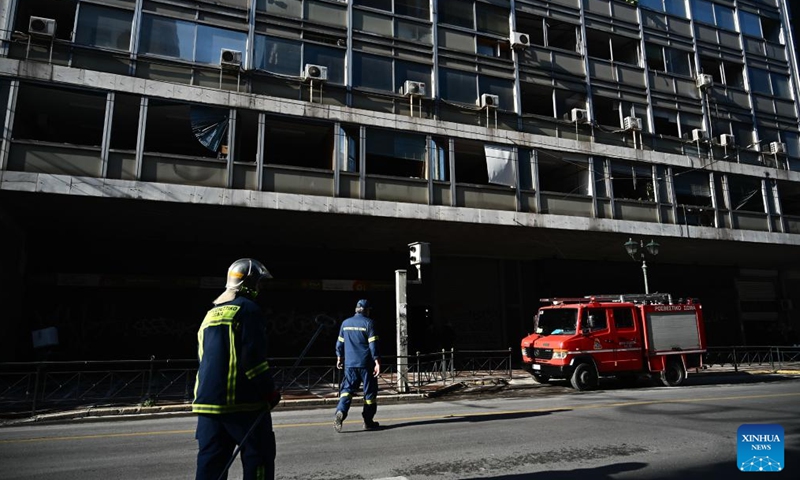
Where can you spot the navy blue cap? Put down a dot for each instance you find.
(363, 303)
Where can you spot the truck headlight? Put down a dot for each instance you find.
(559, 354)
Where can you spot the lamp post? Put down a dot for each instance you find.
(633, 247)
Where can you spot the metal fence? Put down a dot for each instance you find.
(35, 387)
(775, 357)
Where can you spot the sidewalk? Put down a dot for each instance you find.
(475, 384)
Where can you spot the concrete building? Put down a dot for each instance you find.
(149, 143)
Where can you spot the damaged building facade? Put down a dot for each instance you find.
(147, 144)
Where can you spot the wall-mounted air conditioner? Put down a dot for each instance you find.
(413, 89)
(632, 123)
(777, 148)
(315, 72)
(520, 40)
(705, 81)
(698, 135)
(230, 58)
(488, 100)
(579, 115)
(44, 27)
(727, 140)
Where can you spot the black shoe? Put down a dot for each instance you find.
(337, 421)
(370, 425)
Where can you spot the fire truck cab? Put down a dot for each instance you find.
(583, 339)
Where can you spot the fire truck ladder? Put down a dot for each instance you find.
(643, 298)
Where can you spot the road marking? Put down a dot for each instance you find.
(420, 417)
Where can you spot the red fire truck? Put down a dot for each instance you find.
(582, 339)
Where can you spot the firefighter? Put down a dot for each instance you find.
(358, 346)
(234, 390)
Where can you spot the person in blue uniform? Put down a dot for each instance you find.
(234, 390)
(358, 354)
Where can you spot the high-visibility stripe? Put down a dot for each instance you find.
(341, 339)
(344, 394)
(217, 409)
(219, 315)
(260, 472)
(357, 329)
(369, 402)
(231, 368)
(257, 369)
(373, 339)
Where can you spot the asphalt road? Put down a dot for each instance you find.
(640, 433)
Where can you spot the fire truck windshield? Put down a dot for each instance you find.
(557, 321)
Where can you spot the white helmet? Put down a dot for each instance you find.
(245, 277)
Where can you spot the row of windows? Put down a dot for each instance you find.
(196, 42)
(77, 118)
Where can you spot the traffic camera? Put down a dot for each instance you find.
(419, 253)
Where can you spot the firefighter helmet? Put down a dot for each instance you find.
(245, 277)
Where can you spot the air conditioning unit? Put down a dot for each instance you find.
(315, 72)
(489, 101)
(45, 27)
(632, 123)
(521, 40)
(727, 140)
(705, 81)
(579, 115)
(698, 135)
(777, 148)
(413, 89)
(230, 58)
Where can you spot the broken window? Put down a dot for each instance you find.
(536, 99)
(608, 46)
(692, 188)
(734, 76)
(246, 136)
(184, 129)
(104, 27)
(772, 30)
(413, 31)
(63, 12)
(299, 143)
(789, 194)
(4, 89)
(125, 123)
(611, 112)
(566, 100)
(480, 164)
(285, 8)
(391, 152)
(59, 115)
(562, 35)
(532, 26)
(503, 88)
(745, 193)
(632, 182)
(440, 158)
(349, 148)
(665, 122)
(562, 173)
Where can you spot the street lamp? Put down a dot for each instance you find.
(639, 247)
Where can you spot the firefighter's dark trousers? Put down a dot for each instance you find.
(218, 435)
(353, 378)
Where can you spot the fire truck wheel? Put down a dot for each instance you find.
(584, 377)
(673, 375)
(539, 378)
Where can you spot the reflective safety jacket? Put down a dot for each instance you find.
(233, 375)
(357, 342)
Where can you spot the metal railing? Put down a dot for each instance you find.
(747, 356)
(35, 387)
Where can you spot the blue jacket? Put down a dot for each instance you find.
(357, 342)
(233, 375)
